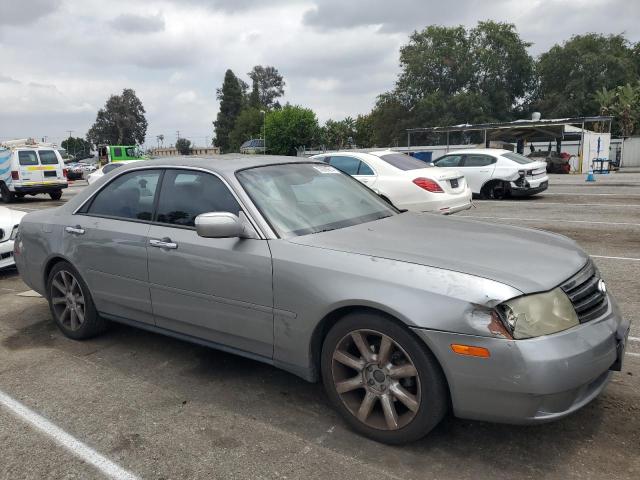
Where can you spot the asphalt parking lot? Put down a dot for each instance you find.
(159, 408)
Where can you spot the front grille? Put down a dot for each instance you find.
(583, 290)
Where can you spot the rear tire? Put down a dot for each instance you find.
(56, 195)
(71, 304)
(7, 195)
(384, 382)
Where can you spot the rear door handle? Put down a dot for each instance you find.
(77, 230)
(164, 243)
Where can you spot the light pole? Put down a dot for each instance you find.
(264, 132)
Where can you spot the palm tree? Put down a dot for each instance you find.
(161, 139)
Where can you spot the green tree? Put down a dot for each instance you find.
(364, 131)
(183, 145)
(231, 97)
(267, 86)
(120, 122)
(289, 128)
(570, 73)
(78, 147)
(248, 125)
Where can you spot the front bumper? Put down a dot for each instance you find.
(535, 380)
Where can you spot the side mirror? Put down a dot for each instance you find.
(222, 225)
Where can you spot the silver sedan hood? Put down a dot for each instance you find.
(526, 259)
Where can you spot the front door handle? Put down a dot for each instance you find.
(164, 243)
(77, 230)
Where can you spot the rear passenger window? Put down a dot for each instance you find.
(364, 169)
(48, 157)
(186, 194)
(27, 158)
(348, 165)
(449, 161)
(129, 196)
(478, 160)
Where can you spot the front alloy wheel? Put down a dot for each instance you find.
(382, 378)
(376, 380)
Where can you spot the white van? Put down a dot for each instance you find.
(29, 170)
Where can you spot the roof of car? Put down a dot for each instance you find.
(227, 163)
(494, 151)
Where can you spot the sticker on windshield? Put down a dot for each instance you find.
(326, 169)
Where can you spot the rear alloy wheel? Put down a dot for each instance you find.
(56, 195)
(71, 304)
(384, 382)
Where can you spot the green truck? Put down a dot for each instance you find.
(118, 153)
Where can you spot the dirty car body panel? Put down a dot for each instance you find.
(272, 297)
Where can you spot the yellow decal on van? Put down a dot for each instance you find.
(41, 167)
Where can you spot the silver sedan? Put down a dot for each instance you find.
(403, 316)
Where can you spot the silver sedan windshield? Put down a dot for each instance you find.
(300, 199)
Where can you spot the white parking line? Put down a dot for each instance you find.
(539, 202)
(631, 354)
(593, 194)
(76, 447)
(630, 259)
(551, 220)
(634, 339)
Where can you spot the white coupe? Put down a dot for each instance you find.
(403, 181)
(493, 173)
(9, 221)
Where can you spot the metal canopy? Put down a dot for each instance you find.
(517, 124)
(522, 130)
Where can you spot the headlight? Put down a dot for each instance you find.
(14, 232)
(540, 314)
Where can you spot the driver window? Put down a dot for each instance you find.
(185, 194)
(129, 196)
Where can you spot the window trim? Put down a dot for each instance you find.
(243, 207)
(464, 160)
(156, 202)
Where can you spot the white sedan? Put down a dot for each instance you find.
(403, 181)
(494, 173)
(99, 173)
(9, 221)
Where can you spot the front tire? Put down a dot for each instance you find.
(384, 382)
(71, 304)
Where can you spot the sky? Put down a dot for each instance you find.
(61, 59)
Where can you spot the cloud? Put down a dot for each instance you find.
(5, 79)
(24, 12)
(336, 56)
(138, 24)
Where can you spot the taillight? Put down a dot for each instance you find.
(428, 185)
(15, 175)
(64, 172)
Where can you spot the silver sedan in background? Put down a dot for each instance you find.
(403, 316)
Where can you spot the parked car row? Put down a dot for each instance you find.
(79, 170)
(411, 184)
